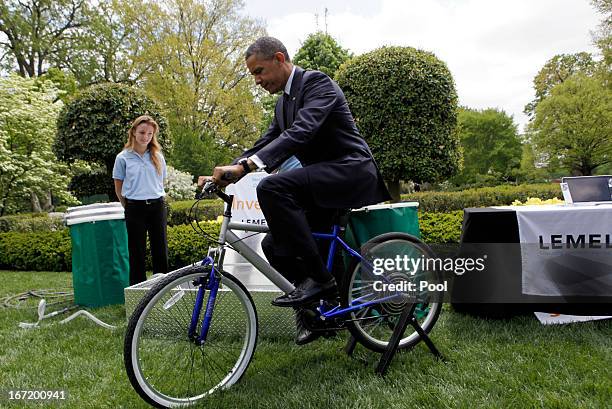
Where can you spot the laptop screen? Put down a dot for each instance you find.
(589, 188)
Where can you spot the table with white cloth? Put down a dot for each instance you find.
(555, 258)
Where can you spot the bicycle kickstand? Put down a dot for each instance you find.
(350, 345)
(407, 317)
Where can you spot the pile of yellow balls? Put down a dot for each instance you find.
(537, 201)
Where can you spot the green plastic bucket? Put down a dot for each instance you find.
(100, 258)
(370, 221)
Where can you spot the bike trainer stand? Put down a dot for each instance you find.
(407, 318)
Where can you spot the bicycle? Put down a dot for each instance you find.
(195, 331)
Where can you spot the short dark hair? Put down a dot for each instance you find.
(266, 47)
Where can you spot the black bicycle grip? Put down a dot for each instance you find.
(208, 188)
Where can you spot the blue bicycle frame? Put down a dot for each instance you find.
(356, 304)
(211, 282)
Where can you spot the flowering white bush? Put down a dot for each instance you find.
(179, 185)
(28, 166)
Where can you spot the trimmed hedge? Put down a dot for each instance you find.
(185, 246)
(437, 202)
(39, 251)
(52, 251)
(441, 228)
(91, 184)
(405, 104)
(25, 247)
(482, 197)
(30, 222)
(178, 212)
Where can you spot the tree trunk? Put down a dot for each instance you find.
(584, 169)
(35, 203)
(576, 172)
(394, 190)
(47, 202)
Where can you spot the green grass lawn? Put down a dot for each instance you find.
(491, 363)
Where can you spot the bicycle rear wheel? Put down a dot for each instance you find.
(165, 366)
(373, 326)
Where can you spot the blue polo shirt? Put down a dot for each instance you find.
(140, 178)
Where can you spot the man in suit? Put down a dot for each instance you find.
(312, 121)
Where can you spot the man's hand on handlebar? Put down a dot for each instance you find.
(212, 184)
(205, 187)
(223, 175)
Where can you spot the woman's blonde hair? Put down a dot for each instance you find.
(154, 146)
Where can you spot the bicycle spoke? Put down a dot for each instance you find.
(374, 325)
(174, 368)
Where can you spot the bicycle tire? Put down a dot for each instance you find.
(373, 326)
(164, 366)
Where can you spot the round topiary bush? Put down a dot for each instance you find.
(405, 105)
(93, 126)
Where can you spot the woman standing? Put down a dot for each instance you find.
(139, 174)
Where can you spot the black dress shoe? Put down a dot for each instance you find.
(302, 334)
(306, 292)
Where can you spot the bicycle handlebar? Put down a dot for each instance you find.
(210, 187)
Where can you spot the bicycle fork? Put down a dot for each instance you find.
(211, 283)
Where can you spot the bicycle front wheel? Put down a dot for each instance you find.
(373, 325)
(164, 364)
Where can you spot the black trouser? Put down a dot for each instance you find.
(292, 216)
(142, 218)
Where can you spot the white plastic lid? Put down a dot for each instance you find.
(387, 206)
(94, 212)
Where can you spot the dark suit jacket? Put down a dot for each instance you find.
(321, 133)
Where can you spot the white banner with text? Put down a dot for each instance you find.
(566, 251)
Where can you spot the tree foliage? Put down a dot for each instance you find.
(200, 76)
(574, 124)
(93, 41)
(121, 32)
(320, 51)
(43, 33)
(93, 126)
(196, 153)
(603, 34)
(405, 104)
(186, 54)
(29, 172)
(491, 145)
(268, 103)
(556, 71)
(65, 82)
